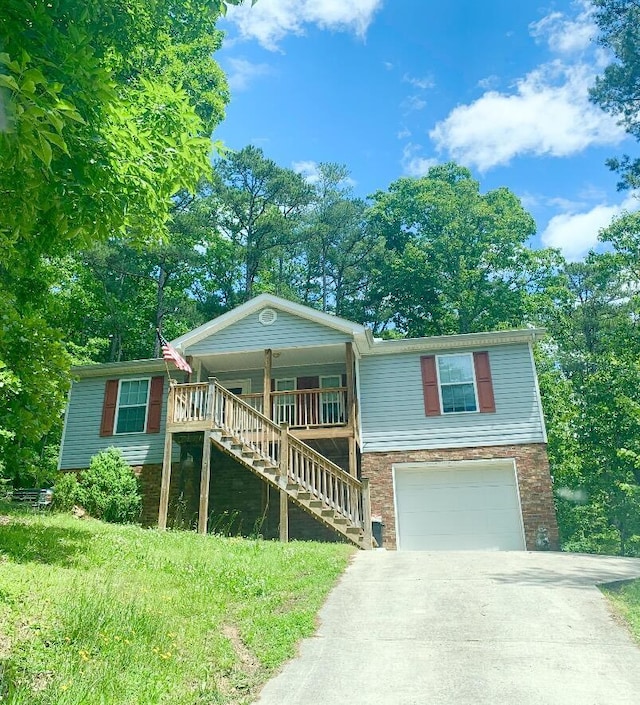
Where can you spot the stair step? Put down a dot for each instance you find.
(340, 520)
(304, 495)
(316, 503)
(354, 530)
(327, 513)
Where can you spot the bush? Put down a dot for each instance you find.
(66, 492)
(108, 490)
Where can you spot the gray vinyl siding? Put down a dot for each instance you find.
(288, 331)
(82, 437)
(393, 415)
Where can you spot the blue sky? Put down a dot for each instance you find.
(390, 87)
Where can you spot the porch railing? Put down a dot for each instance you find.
(300, 408)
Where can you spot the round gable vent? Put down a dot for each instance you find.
(267, 316)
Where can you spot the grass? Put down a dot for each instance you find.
(625, 598)
(92, 613)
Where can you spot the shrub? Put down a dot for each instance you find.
(109, 490)
(66, 492)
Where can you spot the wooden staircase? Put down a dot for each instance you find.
(320, 487)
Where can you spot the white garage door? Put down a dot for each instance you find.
(458, 506)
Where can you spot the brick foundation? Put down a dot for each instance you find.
(534, 481)
(240, 503)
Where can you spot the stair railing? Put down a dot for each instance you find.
(316, 474)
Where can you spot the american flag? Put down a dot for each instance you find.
(172, 355)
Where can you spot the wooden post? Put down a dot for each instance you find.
(205, 475)
(366, 513)
(353, 457)
(163, 510)
(284, 517)
(266, 389)
(210, 411)
(351, 410)
(284, 474)
(350, 384)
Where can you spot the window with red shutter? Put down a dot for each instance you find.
(457, 383)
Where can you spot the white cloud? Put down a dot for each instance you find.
(308, 169)
(413, 164)
(413, 103)
(576, 233)
(421, 83)
(403, 133)
(269, 21)
(547, 113)
(242, 72)
(567, 36)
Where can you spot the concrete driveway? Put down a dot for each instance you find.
(467, 628)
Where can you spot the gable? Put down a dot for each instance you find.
(287, 331)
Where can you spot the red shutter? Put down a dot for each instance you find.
(109, 407)
(486, 401)
(155, 405)
(430, 385)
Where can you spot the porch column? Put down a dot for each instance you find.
(350, 383)
(353, 456)
(205, 476)
(351, 409)
(266, 389)
(284, 473)
(163, 509)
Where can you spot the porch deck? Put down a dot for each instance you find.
(322, 412)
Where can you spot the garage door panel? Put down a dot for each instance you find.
(471, 506)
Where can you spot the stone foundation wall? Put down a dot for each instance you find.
(534, 481)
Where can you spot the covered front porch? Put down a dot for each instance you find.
(311, 390)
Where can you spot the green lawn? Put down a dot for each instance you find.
(625, 598)
(95, 613)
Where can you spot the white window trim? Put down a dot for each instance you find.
(146, 408)
(244, 384)
(286, 379)
(339, 401)
(475, 384)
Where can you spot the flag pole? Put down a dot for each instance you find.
(166, 364)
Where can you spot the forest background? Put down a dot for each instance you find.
(115, 221)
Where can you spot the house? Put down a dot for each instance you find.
(296, 423)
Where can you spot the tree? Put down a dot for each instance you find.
(337, 251)
(104, 120)
(458, 260)
(257, 203)
(617, 91)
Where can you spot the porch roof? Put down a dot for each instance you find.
(361, 335)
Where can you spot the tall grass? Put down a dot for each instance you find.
(93, 613)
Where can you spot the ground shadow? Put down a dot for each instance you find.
(32, 543)
(572, 570)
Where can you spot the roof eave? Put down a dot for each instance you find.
(463, 340)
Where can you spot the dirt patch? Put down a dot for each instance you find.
(249, 662)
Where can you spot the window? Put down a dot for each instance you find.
(132, 406)
(331, 408)
(285, 404)
(457, 383)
